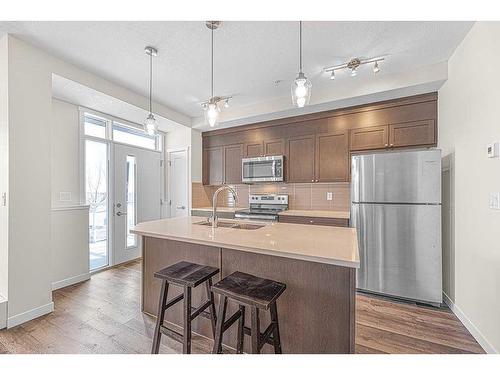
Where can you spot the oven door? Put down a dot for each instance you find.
(263, 169)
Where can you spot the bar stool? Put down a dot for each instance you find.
(256, 293)
(187, 275)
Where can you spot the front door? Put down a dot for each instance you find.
(137, 193)
(178, 183)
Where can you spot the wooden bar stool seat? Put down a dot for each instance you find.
(187, 275)
(256, 293)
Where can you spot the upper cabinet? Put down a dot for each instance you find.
(332, 157)
(273, 147)
(213, 165)
(232, 163)
(370, 138)
(412, 134)
(300, 155)
(254, 149)
(317, 146)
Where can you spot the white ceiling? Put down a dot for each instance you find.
(249, 56)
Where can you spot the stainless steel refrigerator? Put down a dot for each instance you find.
(396, 209)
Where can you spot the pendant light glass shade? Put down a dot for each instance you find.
(301, 91)
(212, 114)
(150, 125)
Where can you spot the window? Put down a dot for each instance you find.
(131, 217)
(133, 136)
(94, 126)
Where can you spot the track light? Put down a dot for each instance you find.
(353, 65)
(332, 76)
(353, 72)
(376, 68)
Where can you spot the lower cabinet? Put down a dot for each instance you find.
(332, 222)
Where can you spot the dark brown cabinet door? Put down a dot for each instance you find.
(213, 166)
(273, 147)
(332, 157)
(232, 163)
(417, 133)
(300, 158)
(369, 138)
(254, 149)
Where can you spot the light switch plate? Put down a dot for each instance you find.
(495, 201)
(65, 196)
(492, 150)
(329, 196)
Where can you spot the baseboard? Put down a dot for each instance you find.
(474, 331)
(30, 315)
(3, 312)
(70, 281)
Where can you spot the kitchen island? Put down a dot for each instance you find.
(318, 265)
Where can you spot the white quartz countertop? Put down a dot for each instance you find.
(322, 244)
(317, 213)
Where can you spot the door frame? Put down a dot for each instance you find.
(168, 178)
(111, 170)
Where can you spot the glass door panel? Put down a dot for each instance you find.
(96, 196)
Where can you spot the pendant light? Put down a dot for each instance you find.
(150, 124)
(301, 87)
(213, 105)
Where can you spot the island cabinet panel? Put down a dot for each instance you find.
(213, 172)
(254, 149)
(300, 155)
(274, 147)
(371, 138)
(332, 157)
(316, 311)
(232, 164)
(412, 134)
(158, 254)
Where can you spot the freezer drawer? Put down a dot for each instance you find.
(397, 177)
(400, 250)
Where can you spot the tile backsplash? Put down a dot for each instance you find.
(301, 196)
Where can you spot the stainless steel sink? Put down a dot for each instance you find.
(233, 225)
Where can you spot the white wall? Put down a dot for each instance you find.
(468, 121)
(29, 88)
(65, 167)
(4, 166)
(70, 245)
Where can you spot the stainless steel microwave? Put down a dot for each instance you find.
(262, 169)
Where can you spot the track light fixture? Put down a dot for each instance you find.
(353, 66)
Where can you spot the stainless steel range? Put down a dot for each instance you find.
(264, 207)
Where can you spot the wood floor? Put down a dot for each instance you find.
(103, 316)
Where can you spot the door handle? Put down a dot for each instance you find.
(181, 207)
(119, 213)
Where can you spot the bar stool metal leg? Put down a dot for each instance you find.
(221, 317)
(213, 315)
(255, 328)
(186, 339)
(276, 333)
(241, 331)
(160, 316)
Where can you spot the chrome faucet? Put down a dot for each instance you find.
(215, 218)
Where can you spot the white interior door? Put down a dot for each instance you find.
(137, 193)
(178, 184)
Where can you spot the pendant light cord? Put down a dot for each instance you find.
(212, 84)
(150, 83)
(300, 46)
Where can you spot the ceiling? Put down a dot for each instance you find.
(249, 56)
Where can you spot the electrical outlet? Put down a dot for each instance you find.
(329, 196)
(495, 201)
(65, 196)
